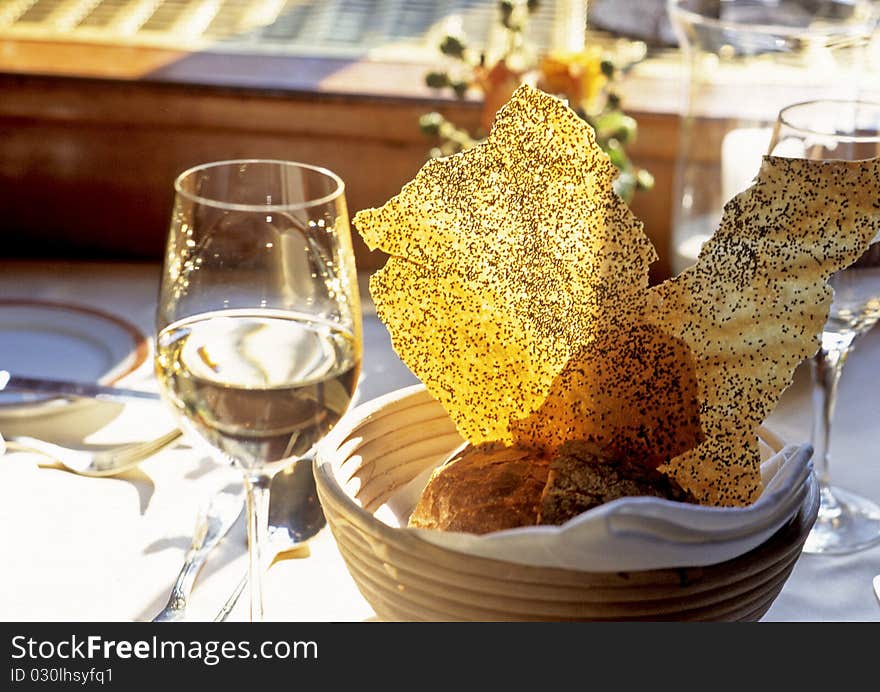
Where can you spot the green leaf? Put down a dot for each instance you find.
(616, 124)
(616, 153)
(452, 46)
(644, 180)
(430, 123)
(460, 88)
(437, 80)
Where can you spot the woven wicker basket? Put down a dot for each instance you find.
(385, 443)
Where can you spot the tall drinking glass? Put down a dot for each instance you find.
(843, 130)
(743, 61)
(259, 334)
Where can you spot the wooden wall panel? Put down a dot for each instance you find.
(87, 164)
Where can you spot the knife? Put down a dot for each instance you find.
(877, 586)
(40, 386)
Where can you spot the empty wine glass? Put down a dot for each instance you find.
(259, 326)
(842, 130)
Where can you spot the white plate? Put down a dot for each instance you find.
(63, 341)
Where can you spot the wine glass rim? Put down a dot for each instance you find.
(785, 112)
(841, 29)
(237, 206)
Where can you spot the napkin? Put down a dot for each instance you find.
(637, 533)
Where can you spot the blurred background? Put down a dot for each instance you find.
(104, 102)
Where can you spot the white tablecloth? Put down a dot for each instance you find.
(83, 549)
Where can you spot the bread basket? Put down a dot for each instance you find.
(385, 443)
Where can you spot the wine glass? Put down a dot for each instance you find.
(842, 130)
(258, 346)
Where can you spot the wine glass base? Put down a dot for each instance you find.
(846, 523)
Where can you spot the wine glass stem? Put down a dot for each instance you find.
(258, 530)
(827, 368)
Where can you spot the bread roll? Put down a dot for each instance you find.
(581, 477)
(484, 488)
(491, 487)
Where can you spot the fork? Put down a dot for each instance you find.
(104, 461)
(211, 526)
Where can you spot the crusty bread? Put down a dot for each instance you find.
(490, 487)
(581, 477)
(484, 488)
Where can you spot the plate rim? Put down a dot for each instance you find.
(138, 354)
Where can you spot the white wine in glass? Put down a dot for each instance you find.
(837, 130)
(259, 326)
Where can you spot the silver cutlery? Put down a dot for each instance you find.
(97, 461)
(221, 514)
(295, 516)
(877, 587)
(90, 390)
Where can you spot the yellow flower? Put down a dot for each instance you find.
(578, 76)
